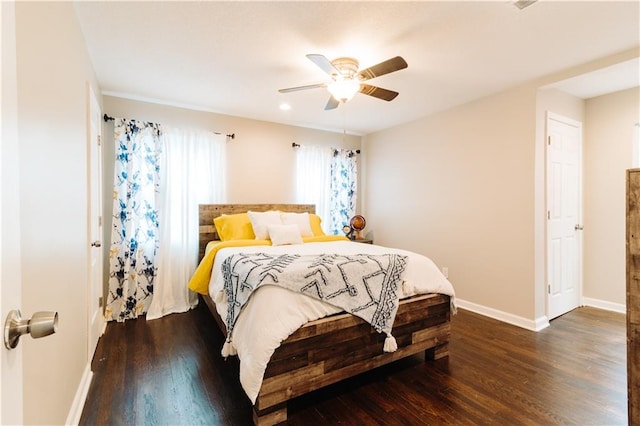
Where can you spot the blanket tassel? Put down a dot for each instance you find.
(390, 344)
(408, 288)
(228, 349)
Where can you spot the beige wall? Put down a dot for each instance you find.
(53, 69)
(609, 126)
(260, 160)
(457, 187)
(466, 187)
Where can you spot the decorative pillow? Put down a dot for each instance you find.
(284, 234)
(260, 221)
(234, 227)
(301, 220)
(316, 226)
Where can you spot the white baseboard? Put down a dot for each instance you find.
(75, 412)
(537, 325)
(603, 304)
(73, 418)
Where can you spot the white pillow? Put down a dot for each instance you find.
(299, 219)
(260, 221)
(284, 234)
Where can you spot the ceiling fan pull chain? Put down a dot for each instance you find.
(344, 125)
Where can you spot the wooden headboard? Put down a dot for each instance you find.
(208, 212)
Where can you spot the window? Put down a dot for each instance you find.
(328, 177)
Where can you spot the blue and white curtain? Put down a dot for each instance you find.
(162, 174)
(134, 236)
(328, 178)
(344, 182)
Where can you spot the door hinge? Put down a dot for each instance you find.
(99, 140)
(549, 288)
(548, 214)
(549, 140)
(99, 220)
(100, 302)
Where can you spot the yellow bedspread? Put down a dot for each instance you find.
(200, 280)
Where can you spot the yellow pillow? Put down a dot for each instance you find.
(316, 228)
(234, 227)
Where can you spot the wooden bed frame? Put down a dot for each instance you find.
(337, 347)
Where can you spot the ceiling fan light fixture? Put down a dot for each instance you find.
(343, 89)
(348, 79)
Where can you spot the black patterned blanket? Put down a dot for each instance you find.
(363, 285)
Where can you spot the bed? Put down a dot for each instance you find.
(335, 347)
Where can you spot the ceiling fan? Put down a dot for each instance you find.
(347, 79)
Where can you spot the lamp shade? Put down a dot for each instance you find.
(343, 89)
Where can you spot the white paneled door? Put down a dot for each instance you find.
(96, 316)
(564, 214)
(11, 390)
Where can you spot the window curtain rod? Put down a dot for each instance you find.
(109, 118)
(297, 145)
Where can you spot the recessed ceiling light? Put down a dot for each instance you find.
(285, 107)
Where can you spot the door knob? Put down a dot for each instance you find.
(40, 325)
(578, 227)
(96, 244)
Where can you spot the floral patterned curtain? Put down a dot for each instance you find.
(134, 236)
(344, 180)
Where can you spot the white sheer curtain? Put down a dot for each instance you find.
(192, 172)
(313, 180)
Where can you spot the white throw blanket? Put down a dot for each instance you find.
(273, 312)
(361, 284)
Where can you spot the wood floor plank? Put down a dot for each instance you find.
(169, 371)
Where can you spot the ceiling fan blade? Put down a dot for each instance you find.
(295, 89)
(378, 92)
(332, 104)
(324, 64)
(386, 67)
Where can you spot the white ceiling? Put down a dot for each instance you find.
(232, 57)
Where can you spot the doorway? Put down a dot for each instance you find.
(564, 214)
(96, 317)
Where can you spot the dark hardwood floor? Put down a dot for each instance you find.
(170, 372)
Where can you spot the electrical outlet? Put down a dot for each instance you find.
(445, 271)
